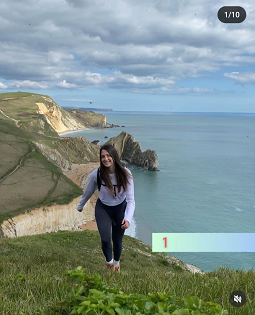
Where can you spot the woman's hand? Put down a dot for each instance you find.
(124, 224)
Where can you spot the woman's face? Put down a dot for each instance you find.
(106, 159)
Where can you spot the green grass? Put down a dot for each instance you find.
(33, 273)
(36, 182)
(35, 171)
(21, 107)
(14, 95)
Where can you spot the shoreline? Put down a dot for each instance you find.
(71, 131)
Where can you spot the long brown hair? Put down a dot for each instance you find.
(121, 173)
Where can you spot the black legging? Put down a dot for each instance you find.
(109, 218)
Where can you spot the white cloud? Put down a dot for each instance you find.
(28, 84)
(202, 90)
(66, 85)
(241, 77)
(3, 86)
(83, 80)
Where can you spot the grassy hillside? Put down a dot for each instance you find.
(88, 118)
(15, 95)
(33, 269)
(27, 178)
(30, 177)
(22, 108)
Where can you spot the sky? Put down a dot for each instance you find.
(129, 55)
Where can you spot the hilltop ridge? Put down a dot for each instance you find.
(39, 113)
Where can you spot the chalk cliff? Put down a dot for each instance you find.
(48, 219)
(69, 120)
(57, 118)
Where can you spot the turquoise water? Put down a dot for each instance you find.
(206, 179)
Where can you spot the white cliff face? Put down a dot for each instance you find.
(55, 118)
(48, 219)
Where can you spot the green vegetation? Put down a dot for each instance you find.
(9, 128)
(88, 118)
(22, 107)
(90, 295)
(33, 276)
(27, 178)
(15, 94)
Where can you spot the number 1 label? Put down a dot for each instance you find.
(165, 239)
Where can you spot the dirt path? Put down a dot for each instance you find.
(16, 121)
(17, 167)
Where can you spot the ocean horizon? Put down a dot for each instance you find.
(206, 178)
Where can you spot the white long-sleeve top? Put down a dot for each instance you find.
(106, 196)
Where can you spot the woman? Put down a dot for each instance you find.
(115, 205)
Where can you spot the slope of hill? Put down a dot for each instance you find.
(33, 274)
(28, 179)
(33, 155)
(39, 113)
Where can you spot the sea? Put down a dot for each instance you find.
(206, 181)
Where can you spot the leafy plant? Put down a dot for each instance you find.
(89, 295)
(21, 276)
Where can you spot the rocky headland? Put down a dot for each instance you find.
(79, 150)
(130, 151)
(88, 119)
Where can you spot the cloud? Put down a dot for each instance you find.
(241, 77)
(28, 84)
(75, 44)
(202, 90)
(83, 80)
(55, 57)
(3, 86)
(66, 85)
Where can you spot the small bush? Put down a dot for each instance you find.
(91, 296)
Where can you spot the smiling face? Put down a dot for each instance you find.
(106, 159)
